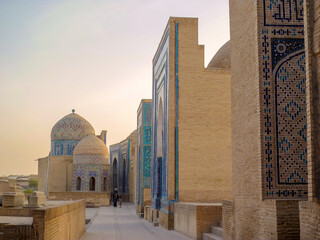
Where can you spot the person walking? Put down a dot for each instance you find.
(115, 199)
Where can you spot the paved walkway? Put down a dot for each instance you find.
(123, 224)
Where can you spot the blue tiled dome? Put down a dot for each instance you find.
(72, 127)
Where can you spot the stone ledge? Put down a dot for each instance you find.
(195, 218)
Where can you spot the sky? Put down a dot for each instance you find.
(93, 56)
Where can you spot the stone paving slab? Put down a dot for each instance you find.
(14, 220)
(123, 224)
(91, 212)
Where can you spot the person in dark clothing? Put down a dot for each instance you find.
(115, 199)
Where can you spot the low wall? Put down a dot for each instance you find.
(91, 198)
(59, 220)
(146, 196)
(146, 212)
(9, 232)
(139, 209)
(309, 220)
(227, 220)
(62, 222)
(268, 219)
(166, 220)
(17, 211)
(288, 220)
(194, 219)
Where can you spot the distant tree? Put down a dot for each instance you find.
(28, 191)
(33, 184)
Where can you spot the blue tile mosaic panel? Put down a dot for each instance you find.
(147, 113)
(144, 152)
(85, 171)
(283, 99)
(147, 161)
(147, 135)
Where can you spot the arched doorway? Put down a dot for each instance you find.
(160, 129)
(92, 184)
(115, 175)
(78, 184)
(159, 161)
(124, 176)
(105, 182)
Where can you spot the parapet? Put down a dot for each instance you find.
(37, 199)
(13, 199)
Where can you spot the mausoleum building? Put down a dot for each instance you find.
(78, 160)
(91, 168)
(144, 136)
(269, 120)
(121, 161)
(191, 124)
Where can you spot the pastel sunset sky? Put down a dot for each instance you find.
(93, 56)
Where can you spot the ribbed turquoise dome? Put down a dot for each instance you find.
(72, 127)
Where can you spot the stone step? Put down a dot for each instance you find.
(217, 230)
(211, 236)
(156, 223)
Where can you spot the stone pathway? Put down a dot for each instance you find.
(123, 224)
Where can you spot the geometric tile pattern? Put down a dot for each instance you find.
(283, 99)
(90, 159)
(160, 118)
(120, 163)
(63, 147)
(144, 152)
(147, 114)
(72, 127)
(124, 164)
(85, 171)
(147, 161)
(147, 135)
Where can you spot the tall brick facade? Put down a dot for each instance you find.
(120, 160)
(310, 210)
(282, 89)
(269, 143)
(191, 138)
(144, 131)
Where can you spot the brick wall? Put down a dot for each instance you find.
(312, 46)
(204, 168)
(253, 217)
(245, 118)
(310, 211)
(20, 211)
(133, 167)
(227, 220)
(205, 132)
(92, 198)
(60, 173)
(288, 219)
(194, 219)
(63, 222)
(269, 219)
(59, 221)
(10, 232)
(146, 196)
(166, 220)
(309, 220)
(42, 173)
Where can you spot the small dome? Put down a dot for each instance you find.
(222, 58)
(72, 127)
(91, 145)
